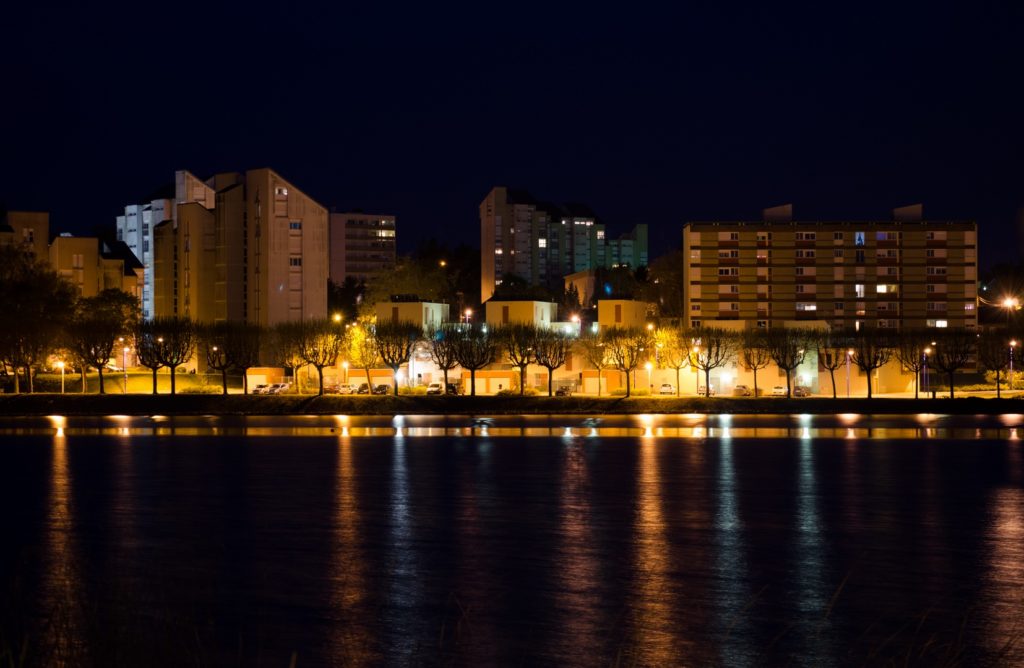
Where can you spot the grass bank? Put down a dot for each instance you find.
(236, 404)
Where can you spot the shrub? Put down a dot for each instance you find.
(416, 391)
(201, 389)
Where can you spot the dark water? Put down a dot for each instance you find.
(654, 540)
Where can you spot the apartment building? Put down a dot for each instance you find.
(92, 265)
(362, 246)
(241, 246)
(905, 272)
(29, 229)
(542, 242)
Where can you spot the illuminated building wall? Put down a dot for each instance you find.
(362, 246)
(900, 273)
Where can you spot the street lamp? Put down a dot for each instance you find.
(124, 366)
(1011, 304)
(469, 314)
(649, 367)
(849, 355)
(337, 317)
(344, 365)
(60, 365)
(696, 371)
(1013, 344)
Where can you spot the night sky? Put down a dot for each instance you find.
(709, 112)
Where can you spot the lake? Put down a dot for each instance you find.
(554, 540)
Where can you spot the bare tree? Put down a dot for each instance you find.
(287, 340)
(596, 353)
(443, 349)
(672, 351)
(96, 324)
(551, 350)
(833, 351)
(517, 342)
(321, 342)
(953, 348)
(475, 349)
(214, 338)
(147, 347)
(626, 349)
(755, 353)
(395, 341)
(909, 352)
(243, 344)
(713, 349)
(362, 349)
(994, 354)
(788, 349)
(871, 350)
(176, 341)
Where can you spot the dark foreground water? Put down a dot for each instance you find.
(647, 540)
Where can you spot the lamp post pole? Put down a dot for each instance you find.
(60, 365)
(849, 354)
(124, 366)
(1013, 344)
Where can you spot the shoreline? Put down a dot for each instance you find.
(237, 404)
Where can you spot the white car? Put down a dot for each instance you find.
(779, 391)
(262, 388)
(742, 391)
(435, 388)
(346, 388)
(667, 388)
(278, 388)
(703, 391)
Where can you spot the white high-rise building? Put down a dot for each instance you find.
(135, 228)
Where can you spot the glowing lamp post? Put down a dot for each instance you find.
(124, 366)
(1011, 304)
(337, 317)
(649, 367)
(468, 313)
(344, 365)
(1013, 344)
(849, 356)
(60, 365)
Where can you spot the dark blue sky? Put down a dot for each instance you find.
(712, 110)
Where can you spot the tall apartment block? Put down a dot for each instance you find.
(362, 246)
(542, 242)
(905, 272)
(241, 246)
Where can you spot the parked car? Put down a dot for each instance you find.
(381, 389)
(279, 388)
(564, 391)
(742, 391)
(801, 391)
(454, 388)
(261, 388)
(779, 391)
(364, 388)
(346, 388)
(703, 391)
(667, 388)
(434, 388)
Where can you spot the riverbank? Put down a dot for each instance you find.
(236, 404)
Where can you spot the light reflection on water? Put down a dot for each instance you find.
(940, 526)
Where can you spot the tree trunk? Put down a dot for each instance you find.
(84, 383)
(224, 379)
(832, 375)
(599, 374)
(394, 379)
(154, 381)
(444, 390)
(917, 377)
(31, 380)
(789, 393)
(472, 382)
(245, 380)
(627, 383)
(100, 370)
(320, 374)
(867, 374)
(551, 379)
(17, 381)
(707, 381)
(950, 384)
(678, 389)
(998, 395)
(755, 384)
(522, 380)
(174, 371)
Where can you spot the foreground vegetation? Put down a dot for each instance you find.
(238, 404)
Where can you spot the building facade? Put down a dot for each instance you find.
(428, 315)
(92, 265)
(244, 247)
(900, 273)
(29, 229)
(541, 242)
(362, 246)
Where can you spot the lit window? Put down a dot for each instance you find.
(859, 290)
(880, 289)
(806, 306)
(542, 243)
(858, 238)
(497, 251)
